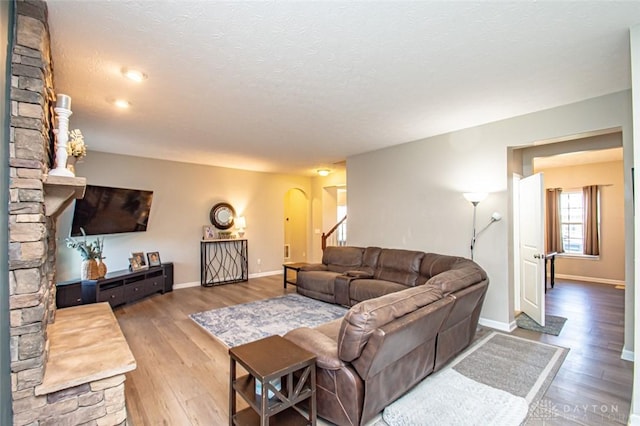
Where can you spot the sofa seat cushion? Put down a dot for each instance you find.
(318, 281)
(365, 289)
(330, 329)
(365, 317)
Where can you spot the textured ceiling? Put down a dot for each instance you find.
(293, 86)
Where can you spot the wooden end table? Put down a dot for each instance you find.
(293, 267)
(268, 360)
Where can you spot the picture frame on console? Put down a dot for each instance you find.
(154, 258)
(140, 261)
(208, 232)
(134, 264)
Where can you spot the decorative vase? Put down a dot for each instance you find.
(102, 268)
(71, 164)
(89, 269)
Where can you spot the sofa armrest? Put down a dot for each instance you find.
(322, 346)
(314, 267)
(358, 274)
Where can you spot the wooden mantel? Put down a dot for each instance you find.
(59, 191)
(86, 344)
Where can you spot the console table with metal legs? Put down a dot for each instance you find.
(551, 257)
(223, 261)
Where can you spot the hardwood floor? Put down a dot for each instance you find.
(593, 386)
(182, 374)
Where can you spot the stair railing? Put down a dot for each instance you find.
(338, 234)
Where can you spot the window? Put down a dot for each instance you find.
(572, 221)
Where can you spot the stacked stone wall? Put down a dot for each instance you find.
(31, 256)
(32, 244)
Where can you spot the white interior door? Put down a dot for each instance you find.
(531, 230)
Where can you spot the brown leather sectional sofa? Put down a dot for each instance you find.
(411, 312)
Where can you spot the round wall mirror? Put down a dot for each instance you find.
(222, 215)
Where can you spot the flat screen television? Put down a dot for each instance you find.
(107, 210)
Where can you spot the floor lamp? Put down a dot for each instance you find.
(475, 198)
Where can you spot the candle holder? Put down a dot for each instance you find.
(63, 112)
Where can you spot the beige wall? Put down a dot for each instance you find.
(609, 266)
(410, 195)
(183, 196)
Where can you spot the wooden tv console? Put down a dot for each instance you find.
(124, 286)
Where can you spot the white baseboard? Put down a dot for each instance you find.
(186, 285)
(265, 274)
(590, 279)
(497, 325)
(628, 355)
(197, 283)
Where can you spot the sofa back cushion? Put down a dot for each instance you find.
(399, 266)
(370, 259)
(341, 259)
(365, 317)
(434, 264)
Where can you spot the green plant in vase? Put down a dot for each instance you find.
(92, 266)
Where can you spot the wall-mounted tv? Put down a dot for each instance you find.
(106, 210)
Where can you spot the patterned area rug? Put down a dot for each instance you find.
(552, 324)
(239, 324)
(500, 380)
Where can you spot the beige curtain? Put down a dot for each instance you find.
(554, 233)
(591, 240)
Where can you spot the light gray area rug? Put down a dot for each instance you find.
(244, 323)
(497, 381)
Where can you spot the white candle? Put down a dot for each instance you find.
(64, 101)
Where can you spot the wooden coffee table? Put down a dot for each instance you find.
(269, 360)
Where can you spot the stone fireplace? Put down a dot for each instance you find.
(35, 200)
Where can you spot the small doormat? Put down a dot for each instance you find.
(553, 324)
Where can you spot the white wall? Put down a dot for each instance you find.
(635, 83)
(182, 198)
(410, 196)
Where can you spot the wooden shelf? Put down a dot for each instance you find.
(288, 417)
(59, 191)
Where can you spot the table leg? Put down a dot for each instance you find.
(232, 394)
(312, 404)
(264, 418)
(545, 274)
(553, 271)
(285, 276)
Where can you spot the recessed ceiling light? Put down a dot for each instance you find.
(121, 103)
(324, 172)
(134, 75)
